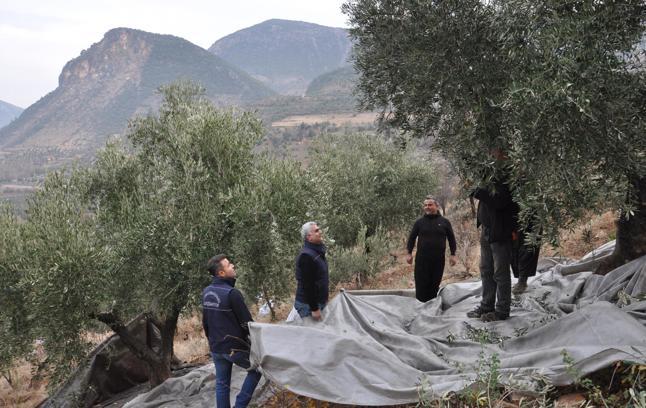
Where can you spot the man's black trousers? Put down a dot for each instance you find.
(429, 269)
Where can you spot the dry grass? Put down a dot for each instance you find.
(285, 399)
(190, 345)
(588, 235)
(281, 309)
(21, 386)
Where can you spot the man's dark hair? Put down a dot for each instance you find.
(215, 264)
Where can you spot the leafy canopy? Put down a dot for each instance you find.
(558, 85)
(363, 180)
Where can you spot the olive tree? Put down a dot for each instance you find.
(558, 85)
(131, 234)
(267, 224)
(15, 328)
(362, 180)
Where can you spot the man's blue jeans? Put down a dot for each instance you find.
(223, 367)
(304, 310)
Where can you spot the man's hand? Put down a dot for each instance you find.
(453, 260)
(409, 259)
(316, 315)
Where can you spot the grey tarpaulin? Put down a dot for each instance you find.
(195, 389)
(375, 350)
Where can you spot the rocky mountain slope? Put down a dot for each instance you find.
(116, 79)
(286, 55)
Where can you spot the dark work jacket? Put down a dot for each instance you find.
(312, 276)
(496, 212)
(225, 317)
(431, 232)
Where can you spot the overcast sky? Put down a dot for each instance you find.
(37, 37)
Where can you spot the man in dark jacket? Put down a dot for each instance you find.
(312, 275)
(225, 319)
(496, 218)
(524, 259)
(431, 232)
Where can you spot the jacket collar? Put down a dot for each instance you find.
(320, 248)
(226, 281)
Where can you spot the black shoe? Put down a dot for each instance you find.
(476, 313)
(493, 317)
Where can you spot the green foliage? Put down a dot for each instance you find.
(267, 221)
(489, 375)
(357, 264)
(15, 327)
(132, 233)
(620, 385)
(361, 181)
(56, 269)
(558, 85)
(486, 390)
(167, 207)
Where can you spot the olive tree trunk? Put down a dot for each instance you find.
(631, 230)
(157, 350)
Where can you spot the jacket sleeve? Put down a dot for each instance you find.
(240, 310)
(308, 268)
(412, 237)
(451, 237)
(205, 324)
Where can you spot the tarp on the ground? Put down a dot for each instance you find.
(195, 389)
(376, 349)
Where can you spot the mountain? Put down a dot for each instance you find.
(286, 55)
(8, 112)
(329, 93)
(116, 79)
(340, 82)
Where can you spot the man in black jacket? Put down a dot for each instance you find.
(431, 232)
(496, 219)
(225, 320)
(312, 275)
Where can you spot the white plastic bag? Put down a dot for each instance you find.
(293, 317)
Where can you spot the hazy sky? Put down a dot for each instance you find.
(37, 37)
